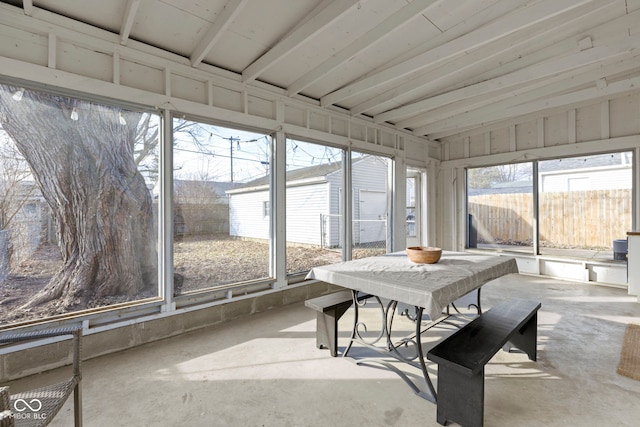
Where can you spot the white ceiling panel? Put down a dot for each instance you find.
(99, 13)
(431, 67)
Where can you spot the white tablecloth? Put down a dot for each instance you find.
(430, 286)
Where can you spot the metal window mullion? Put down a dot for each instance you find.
(635, 197)
(277, 196)
(397, 205)
(165, 217)
(347, 205)
(536, 209)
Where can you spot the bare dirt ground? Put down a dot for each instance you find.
(198, 263)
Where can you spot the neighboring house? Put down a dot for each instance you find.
(511, 187)
(22, 204)
(314, 204)
(604, 172)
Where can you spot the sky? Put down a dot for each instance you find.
(211, 152)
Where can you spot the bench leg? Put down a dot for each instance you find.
(526, 339)
(327, 329)
(77, 405)
(460, 397)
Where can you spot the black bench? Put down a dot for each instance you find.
(330, 309)
(462, 356)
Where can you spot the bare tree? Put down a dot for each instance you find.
(87, 172)
(488, 176)
(16, 183)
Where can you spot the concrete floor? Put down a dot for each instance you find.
(264, 370)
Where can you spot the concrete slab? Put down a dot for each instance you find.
(264, 370)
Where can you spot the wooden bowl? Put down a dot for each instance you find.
(424, 255)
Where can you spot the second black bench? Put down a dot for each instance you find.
(462, 356)
(330, 309)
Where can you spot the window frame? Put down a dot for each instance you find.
(536, 190)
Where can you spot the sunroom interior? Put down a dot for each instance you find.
(170, 166)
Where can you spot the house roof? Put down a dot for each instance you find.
(512, 187)
(434, 68)
(584, 162)
(297, 175)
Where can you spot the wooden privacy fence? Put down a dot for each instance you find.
(577, 219)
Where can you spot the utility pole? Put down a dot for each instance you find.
(231, 140)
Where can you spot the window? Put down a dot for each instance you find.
(369, 179)
(81, 203)
(500, 207)
(415, 186)
(221, 206)
(314, 200)
(76, 205)
(584, 204)
(315, 214)
(411, 207)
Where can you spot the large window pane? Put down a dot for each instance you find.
(77, 219)
(585, 203)
(314, 199)
(369, 176)
(413, 239)
(500, 207)
(221, 206)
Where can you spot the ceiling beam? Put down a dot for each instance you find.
(215, 31)
(383, 29)
(520, 50)
(128, 19)
(520, 19)
(459, 101)
(299, 35)
(389, 98)
(539, 107)
(27, 6)
(504, 101)
(451, 74)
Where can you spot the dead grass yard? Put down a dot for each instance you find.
(199, 262)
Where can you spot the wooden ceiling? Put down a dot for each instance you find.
(436, 68)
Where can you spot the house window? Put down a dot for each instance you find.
(99, 226)
(30, 210)
(221, 206)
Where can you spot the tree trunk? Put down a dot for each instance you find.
(101, 205)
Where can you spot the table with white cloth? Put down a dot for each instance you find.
(430, 288)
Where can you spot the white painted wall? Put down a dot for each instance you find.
(369, 176)
(583, 180)
(246, 217)
(305, 205)
(592, 129)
